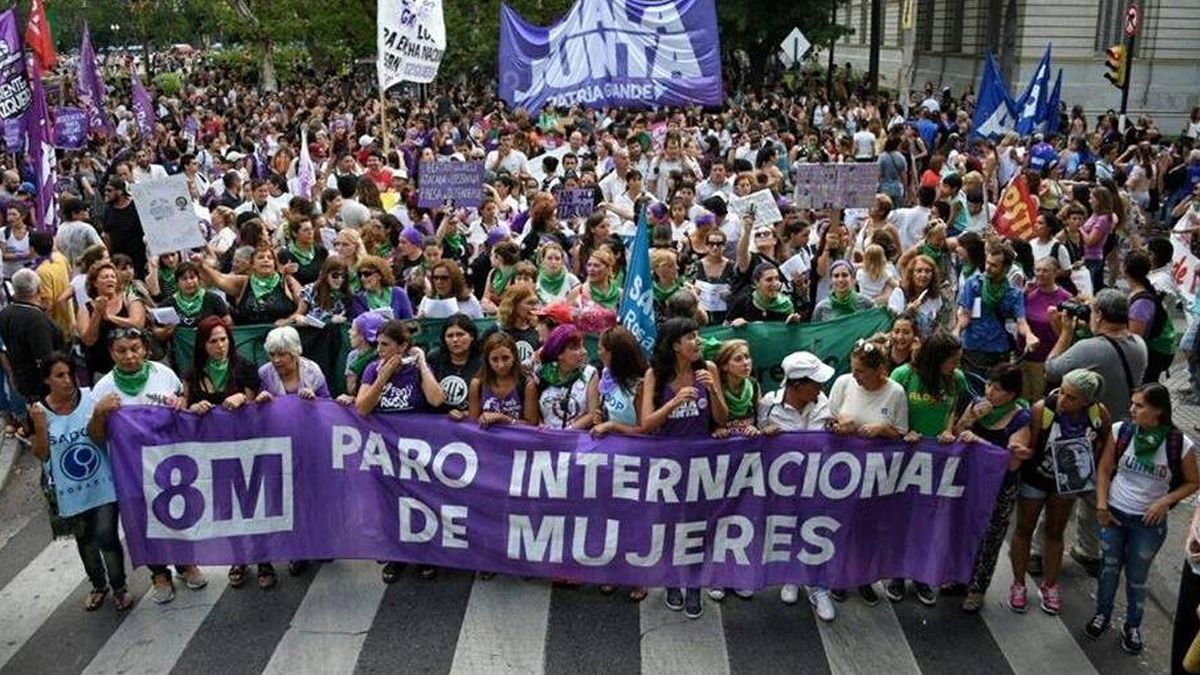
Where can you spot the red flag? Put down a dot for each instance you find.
(1017, 212)
(37, 35)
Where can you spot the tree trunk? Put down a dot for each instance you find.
(267, 69)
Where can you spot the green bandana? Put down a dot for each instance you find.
(993, 292)
(379, 299)
(932, 252)
(550, 375)
(843, 306)
(189, 306)
(302, 256)
(780, 305)
(455, 243)
(355, 282)
(1146, 442)
(218, 373)
(552, 285)
(500, 279)
(606, 299)
(968, 270)
(131, 384)
(384, 250)
(261, 286)
(166, 276)
(740, 404)
(359, 364)
(661, 294)
(997, 413)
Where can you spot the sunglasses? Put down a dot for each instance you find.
(716, 242)
(441, 277)
(125, 333)
(337, 275)
(363, 274)
(763, 235)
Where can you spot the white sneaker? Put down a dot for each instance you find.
(789, 594)
(717, 594)
(820, 600)
(744, 593)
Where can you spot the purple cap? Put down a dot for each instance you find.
(556, 343)
(496, 235)
(412, 235)
(706, 220)
(841, 263)
(368, 324)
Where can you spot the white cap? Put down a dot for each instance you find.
(365, 140)
(233, 156)
(801, 365)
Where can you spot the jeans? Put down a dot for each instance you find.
(1096, 269)
(100, 546)
(1131, 545)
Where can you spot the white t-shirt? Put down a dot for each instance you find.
(1136, 487)
(911, 222)
(160, 388)
(872, 286)
(515, 162)
(1041, 250)
(864, 144)
(773, 410)
(886, 405)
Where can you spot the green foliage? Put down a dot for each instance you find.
(168, 84)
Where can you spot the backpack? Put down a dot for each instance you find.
(1174, 443)
(1159, 322)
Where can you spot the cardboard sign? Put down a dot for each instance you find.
(459, 182)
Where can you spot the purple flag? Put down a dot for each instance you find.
(143, 107)
(70, 128)
(14, 134)
(92, 92)
(15, 93)
(304, 480)
(39, 132)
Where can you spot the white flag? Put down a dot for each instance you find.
(411, 37)
(305, 171)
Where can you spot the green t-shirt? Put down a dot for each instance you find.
(927, 415)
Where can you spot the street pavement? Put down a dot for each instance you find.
(341, 618)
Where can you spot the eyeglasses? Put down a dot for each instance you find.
(715, 242)
(125, 333)
(441, 277)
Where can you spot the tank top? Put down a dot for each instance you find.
(269, 308)
(618, 403)
(693, 418)
(561, 405)
(510, 404)
(96, 356)
(80, 471)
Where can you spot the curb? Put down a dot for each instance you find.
(10, 449)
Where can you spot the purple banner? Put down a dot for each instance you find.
(143, 108)
(92, 92)
(575, 203)
(70, 128)
(14, 134)
(812, 508)
(39, 129)
(459, 182)
(610, 53)
(15, 93)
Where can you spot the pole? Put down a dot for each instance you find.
(832, 43)
(383, 124)
(1125, 88)
(876, 41)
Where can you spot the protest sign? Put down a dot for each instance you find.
(575, 203)
(459, 182)
(836, 186)
(70, 128)
(14, 134)
(411, 39)
(761, 204)
(808, 508)
(165, 209)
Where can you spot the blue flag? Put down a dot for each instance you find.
(1031, 107)
(636, 312)
(994, 112)
(1050, 114)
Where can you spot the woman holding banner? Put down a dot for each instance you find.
(497, 394)
(682, 397)
(566, 393)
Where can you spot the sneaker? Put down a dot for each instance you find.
(391, 572)
(838, 594)
(1096, 627)
(193, 577)
(1035, 566)
(717, 594)
(673, 599)
(926, 595)
(1090, 565)
(869, 596)
(1051, 600)
(821, 601)
(1017, 600)
(973, 602)
(692, 606)
(162, 590)
(894, 590)
(1131, 639)
(744, 593)
(298, 567)
(789, 594)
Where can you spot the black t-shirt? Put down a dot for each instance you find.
(454, 380)
(242, 376)
(212, 305)
(125, 235)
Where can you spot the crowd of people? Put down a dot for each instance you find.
(1054, 348)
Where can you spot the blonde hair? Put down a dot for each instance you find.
(360, 251)
(726, 351)
(513, 296)
(875, 261)
(659, 256)
(973, 180)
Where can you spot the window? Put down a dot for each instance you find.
(953, 29)
(864, 24)
(925, 25)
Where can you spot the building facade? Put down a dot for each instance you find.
(944, 42)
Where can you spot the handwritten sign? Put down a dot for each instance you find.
(836, 186)
(575, 203)
(70, 128)
(165, 209)
(459, 182)
(761, 204)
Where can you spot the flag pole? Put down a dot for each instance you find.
(387, 135)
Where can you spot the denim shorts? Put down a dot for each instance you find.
(1027, 491)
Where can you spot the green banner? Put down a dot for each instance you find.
(769, 343)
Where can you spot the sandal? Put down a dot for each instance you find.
(95, 599)
(427, 572)
(637, 593)
(608, 589)
(122, 600)
(266, 576)
(237, 576)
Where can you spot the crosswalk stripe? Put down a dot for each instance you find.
(151, 639)
(330, 626)
(673, 643)
(856, 625)
(504, 629)
(32, 596)
(1035, 642)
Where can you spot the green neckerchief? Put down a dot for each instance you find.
(379, 299)
(740, 404)
(354, 281)
(189, 306)
(998, 412)
(606, 299)
(550, 375)
(661, 294)
(780, 305)
(131, 384)
(1146, 442)
(709, 346)
(843, 306)
(619, 278)
(302, 257)
(993, 292)
(218, 373)
(359, 364)
(552, 285)
(261, 286)
(455, 243)
(166, 276)
(384, 250)
(968, 270)
(500, 279)
(932, 252)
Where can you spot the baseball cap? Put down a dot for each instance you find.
(559, 312)
(801, 365)
(365, 140)
(27, 188)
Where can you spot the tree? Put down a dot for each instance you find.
(744, 25)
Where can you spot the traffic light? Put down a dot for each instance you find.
(1116, 62)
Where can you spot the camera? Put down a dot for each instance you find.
(1078, 310)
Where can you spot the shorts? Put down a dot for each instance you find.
(1027, 491)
